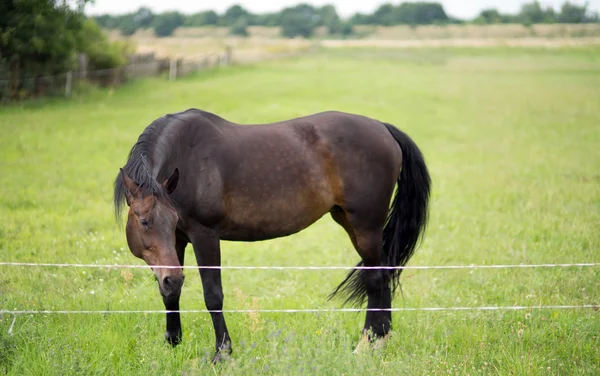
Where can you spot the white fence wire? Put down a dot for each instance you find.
(266, 267)
(17, 312)
(307, 310)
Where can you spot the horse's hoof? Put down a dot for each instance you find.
(363, 344)
(173, 338)
(367, 343)
(221, 356)
(380, 342)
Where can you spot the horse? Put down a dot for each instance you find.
(195, 177)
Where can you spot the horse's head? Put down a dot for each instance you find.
(150, 230)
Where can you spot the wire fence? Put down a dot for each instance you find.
(18, 312)
(67, 82)
(307, 310)
(333, 267)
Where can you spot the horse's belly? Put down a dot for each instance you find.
(270, 219)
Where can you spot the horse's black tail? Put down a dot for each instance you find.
(406, 221)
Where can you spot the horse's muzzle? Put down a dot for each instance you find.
(170, 286)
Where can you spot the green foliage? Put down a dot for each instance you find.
(165, 23)
(384, 15)
(329, 18)
(107, 21)
(240, 28)
(233, 14)
(207, 18)
(362, 19)
(127, 25)
(143, 17)
(489, 16)
(38, 36)
(532, 13)
(572, 13)
(346, 29)
(267, 19)
(300, 20)
(419, 13)
(102, 53)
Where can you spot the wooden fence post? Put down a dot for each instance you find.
(172, 69)
(68, 84)
(225, 58)
(83, 65)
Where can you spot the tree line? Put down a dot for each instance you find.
(44, 38)
(303, 19)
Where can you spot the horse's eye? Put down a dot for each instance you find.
(144, 222)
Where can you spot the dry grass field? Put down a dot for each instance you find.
(198, 42)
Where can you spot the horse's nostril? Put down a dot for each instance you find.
(172, 282)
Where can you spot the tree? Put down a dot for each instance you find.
(240, 27)
(207, 18)
(489, 16)
(300, 20)
(268, 19)
(143, 17)
(572, 13)
(384, 15)
(532, 13)
(362, 19)
(37, 37)
(420, 13)
(165, 23)
(127, 25)
(232, 14)
(43, 37)
(329, 18)
(107, 21)
(101, 53)
(347, 29)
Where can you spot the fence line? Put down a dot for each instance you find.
(64, 82)
(595, 307)
(130, 66)
(259, 267)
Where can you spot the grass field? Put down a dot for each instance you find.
(512, 140)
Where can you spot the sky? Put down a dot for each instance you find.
(465, 9)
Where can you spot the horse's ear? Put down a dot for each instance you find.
(131, 187)
(171, 183)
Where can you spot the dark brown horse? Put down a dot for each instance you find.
(194, 177)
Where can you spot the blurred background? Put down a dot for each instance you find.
(49, 45)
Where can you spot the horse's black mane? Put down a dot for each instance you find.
(139, 165)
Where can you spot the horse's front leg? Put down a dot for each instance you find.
(208, 253)
(173, 334)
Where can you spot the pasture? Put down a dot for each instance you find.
(512, 141)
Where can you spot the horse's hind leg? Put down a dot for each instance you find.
(377, 282)
(366, 235)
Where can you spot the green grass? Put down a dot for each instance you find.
(512, 139)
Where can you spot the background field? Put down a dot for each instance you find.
(512, 140)
(194, 42)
